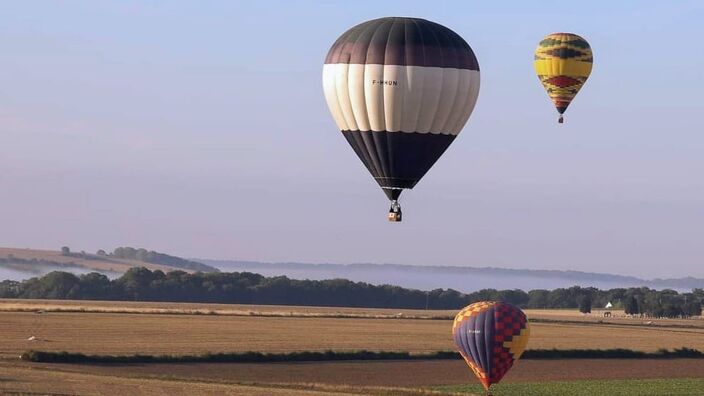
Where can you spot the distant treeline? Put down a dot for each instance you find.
(314, 356)
(141, 284)
(143, 255)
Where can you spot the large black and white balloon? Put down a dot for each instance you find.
(400, 90)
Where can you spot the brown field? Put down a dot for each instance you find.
(18, 305)
(23, 380)
(96, 327)
(194, 334)
(359, 378)
(404, 374)
(182, 333)
(537, 315)
(95, 263)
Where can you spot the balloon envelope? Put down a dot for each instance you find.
(400, 90)
(563, 62)
(490, 336)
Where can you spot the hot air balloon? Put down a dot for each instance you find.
(400, 90)
(490, 336)
(563, 62)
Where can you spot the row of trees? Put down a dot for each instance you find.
(144, 255)
(141, 284)
(150, 256)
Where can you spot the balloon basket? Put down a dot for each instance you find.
(395, 214)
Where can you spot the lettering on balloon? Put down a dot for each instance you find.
(392, 83)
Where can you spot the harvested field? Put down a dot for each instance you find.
(19, 305)
(618, 317)
(102, 333)
(195, 334)
(188, 330)
(537, 315)
(592, 336)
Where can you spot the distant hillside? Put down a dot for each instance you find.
(18, 263)
(465, 279)
(150, 256)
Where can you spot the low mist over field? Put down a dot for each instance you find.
(20, 264)
(14, 273)
(464, 279)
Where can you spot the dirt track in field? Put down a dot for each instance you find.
(425, 373)
(23, 380)
(388, 374)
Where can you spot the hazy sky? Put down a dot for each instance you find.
(200, 128)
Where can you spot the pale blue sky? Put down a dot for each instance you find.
(200, 128)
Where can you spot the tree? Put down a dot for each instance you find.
(101, 252)
(585, 304)
(560, 298)
(538, 299)
(54, 285)
(631, 306)
(693, 308)
(672, 311)
(95, 286)
(9, 289)
(65, 251)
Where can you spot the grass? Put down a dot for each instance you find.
(683, 386)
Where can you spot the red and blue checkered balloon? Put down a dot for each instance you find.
(490, 336)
